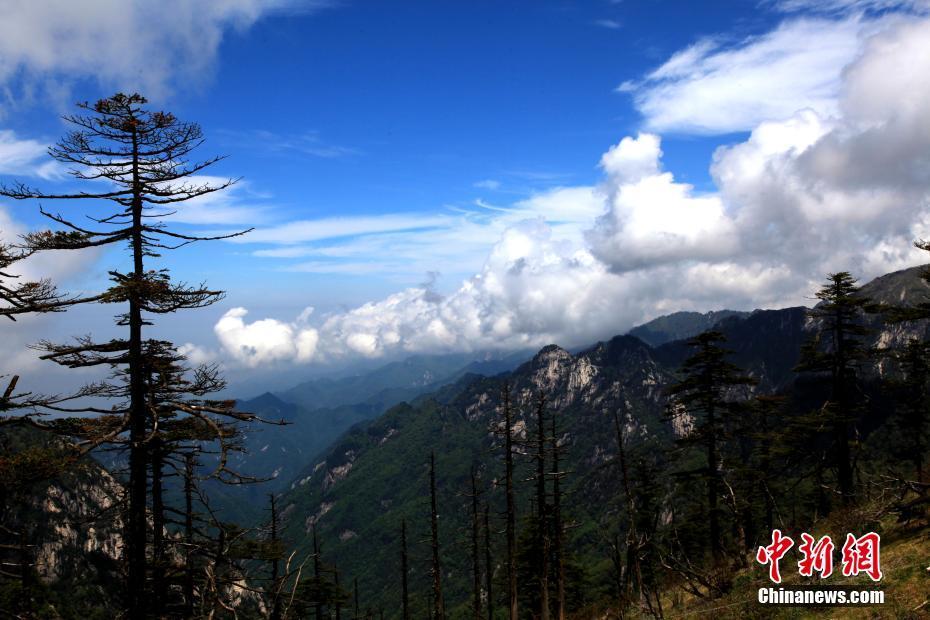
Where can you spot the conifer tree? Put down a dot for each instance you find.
(836, 352)
(142, 156)
(705, 394)
(913, 415)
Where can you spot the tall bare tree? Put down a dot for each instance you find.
(542, 517)
(504, 428)
(439, 606)
(141, 156)
(404, 568)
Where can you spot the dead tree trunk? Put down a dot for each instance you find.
(488, 563)
(541, 516)
(275, 578)
(317, 574)
(511, 504)
(189, 535)
(440, 611)
(404, 569)
(159, 587)
(475, 562)
(557, 526)
(632, 583)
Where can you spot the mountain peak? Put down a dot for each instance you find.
(550, 353)
(903, 286)
(680, 325)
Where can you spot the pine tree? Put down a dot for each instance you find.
(836, 351)
(913, 415)
(705, 394)
(27, 297)
(143, 157)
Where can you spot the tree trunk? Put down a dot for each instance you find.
(488, 562)
(434, 527)
(633, 583)
(511, 505)
(189, 535)
(317, 574)
(275, 585)
(404, 569)
(136, 521)
(557, 525)
(475, 562)
(159, 587)
(541, 516)
(713, 489)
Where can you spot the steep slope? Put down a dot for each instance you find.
(318, 411)
(69, 519)
(397, 381)
(680, 325)
(376, 474)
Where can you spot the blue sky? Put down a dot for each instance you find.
(432, 176)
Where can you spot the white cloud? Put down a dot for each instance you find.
(850, 6)
(490, 184)
(307, 143)
(196, 354)
(265, 341)
(804, 195)
(710, 88)
(334, 227)
(653, 220)
(236, 205)
(57, 266)
(411, 244)
(127, 44)
(610, 24)
(19, 156)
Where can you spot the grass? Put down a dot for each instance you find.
(905, 562)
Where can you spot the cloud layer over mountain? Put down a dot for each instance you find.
(842, 183)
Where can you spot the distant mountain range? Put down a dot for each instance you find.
(680, 325)
(353, 460)
(357, 492)
(319, 410)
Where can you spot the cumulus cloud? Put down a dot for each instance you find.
(816, 191)
(712, 88)
(265, 341)
(810, 193)
(128, 44)
(651, 219)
